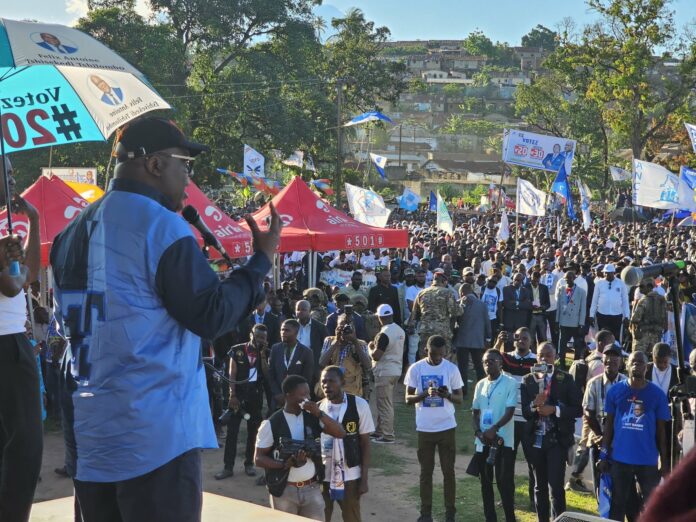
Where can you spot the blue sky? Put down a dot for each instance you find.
(501, 20)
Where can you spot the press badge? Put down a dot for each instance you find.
(486, 419)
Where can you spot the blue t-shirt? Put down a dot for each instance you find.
(636, 413)
(492, 399)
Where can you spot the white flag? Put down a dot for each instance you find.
(310, 163)
(585, 204)
(254, 162)
(367, 206)
(530, 200)
(504, 230)
(657, 187)
(296, 159)
(691, 129)
(444, 221)
(618, 174)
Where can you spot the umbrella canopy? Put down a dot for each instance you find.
(687, 222)
(310, 223)
(59, 85)
(627, 215)
(235, 240)
(367, 117)
(57, 204)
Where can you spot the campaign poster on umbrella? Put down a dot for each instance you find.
(52, 44)
(538, 151)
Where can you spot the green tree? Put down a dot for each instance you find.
(625, 57)
(417, 86)
(541, 36)
(478, 44)
(453, 90)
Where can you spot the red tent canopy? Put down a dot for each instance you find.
(234, 240)
(57, 204)
(309, 223)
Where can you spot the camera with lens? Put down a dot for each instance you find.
(493, 451)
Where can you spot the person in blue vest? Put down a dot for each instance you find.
(135, 295)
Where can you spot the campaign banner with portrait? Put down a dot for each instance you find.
(538, 151)
(338, 277)
(72, 174)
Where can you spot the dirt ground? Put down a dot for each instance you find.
(391, 497)
(387, 500)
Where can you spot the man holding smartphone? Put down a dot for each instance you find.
(434, 385)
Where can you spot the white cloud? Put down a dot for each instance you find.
(76, 7)
(79, 8)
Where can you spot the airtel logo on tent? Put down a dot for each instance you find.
(285, 219)
(211, 211)
(21, 228)
(70, 211)
(335, 219)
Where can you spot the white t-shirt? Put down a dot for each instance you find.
(264, 439)
(490, 297)
(434, 413)
(336, 412)
(13, 314)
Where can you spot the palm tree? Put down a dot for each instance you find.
(319, 24)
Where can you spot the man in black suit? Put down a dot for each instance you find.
(517, 304)
(288, 357)
(540, 303)
(261, 316)
(550, 403)
(312, 334)
(384, 293)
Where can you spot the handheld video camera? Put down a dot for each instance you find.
(288, 447)
(493, 451)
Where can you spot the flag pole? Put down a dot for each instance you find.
(671, 224)
(517, 227)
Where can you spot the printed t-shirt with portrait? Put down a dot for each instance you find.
(434, 414)
(636, 413)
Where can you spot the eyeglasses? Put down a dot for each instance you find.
(187, 160)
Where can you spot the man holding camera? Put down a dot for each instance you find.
(293, 480)
(493, 406)
(346, 460)
(550, 402)
(349, 353)
(248, 370)
(434, 385)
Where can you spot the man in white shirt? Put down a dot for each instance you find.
(292, 483)
(434, 385)
(368, 260)
(549, 279)
(610, 306)
(346, 479)
(386, 352)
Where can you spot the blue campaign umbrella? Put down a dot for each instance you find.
(59, 86)
(367, 117)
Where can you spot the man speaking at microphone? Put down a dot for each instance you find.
(135, 296)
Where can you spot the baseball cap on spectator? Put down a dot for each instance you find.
(468, 270)
(440, 272)
(384, 310)
(409, 271)
(149, 135)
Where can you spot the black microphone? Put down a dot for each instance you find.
(193, 217)
(632, 275)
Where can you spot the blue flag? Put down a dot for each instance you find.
(409, 200)
(433, 202)
(562, 188)
(380, 162)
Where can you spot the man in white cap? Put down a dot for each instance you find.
(610, 306)
(387, 351)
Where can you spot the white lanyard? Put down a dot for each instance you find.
(292, 354)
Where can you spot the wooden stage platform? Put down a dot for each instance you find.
(215, 508)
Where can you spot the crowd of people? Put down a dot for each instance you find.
(541, 324)
(547, 325)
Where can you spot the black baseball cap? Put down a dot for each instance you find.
(149, 135)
